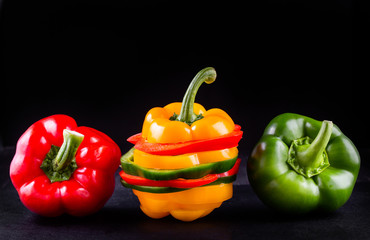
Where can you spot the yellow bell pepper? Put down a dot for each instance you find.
(182, 123)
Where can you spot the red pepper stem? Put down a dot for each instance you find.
(187, 114)
(67, 151)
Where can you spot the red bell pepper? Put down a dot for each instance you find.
(62, 168)
(227, 141)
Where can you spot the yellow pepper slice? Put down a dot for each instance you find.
(186, 205)
(183, 161)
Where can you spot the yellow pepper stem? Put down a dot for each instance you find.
(187, 114)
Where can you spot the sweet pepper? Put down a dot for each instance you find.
(61, 168)
(301, 165)
(185, 159)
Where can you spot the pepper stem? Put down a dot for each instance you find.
(312, 156)
(187, 114)
(67, 151)
(309, 157)
(60, 163)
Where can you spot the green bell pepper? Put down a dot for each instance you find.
(301, 164)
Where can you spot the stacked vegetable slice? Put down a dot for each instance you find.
(185, 159)
(210, 166)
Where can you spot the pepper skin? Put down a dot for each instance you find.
(62, 168)
(302, 165)
(183, 140)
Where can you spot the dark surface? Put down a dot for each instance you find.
(242, 217)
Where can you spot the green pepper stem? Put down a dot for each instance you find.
(187, 114)
(67, 151)
(312, 156)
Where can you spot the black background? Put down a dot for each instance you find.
(106, 63)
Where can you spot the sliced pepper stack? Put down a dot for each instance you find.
(185, 159)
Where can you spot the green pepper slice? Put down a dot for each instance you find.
(128, 165)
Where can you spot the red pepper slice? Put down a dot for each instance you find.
(134, 138)
(227, 141)
(176, 183)
(233, 171)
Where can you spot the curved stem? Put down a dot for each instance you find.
(312, 156)
(187, 114)
(67, 151)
